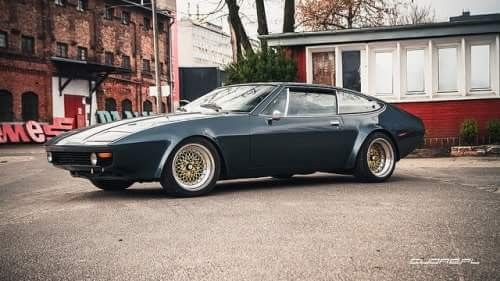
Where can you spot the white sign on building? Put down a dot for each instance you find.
(165, 91)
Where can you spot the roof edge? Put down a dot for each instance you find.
(384, 28)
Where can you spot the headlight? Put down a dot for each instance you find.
(93, 159)
(49, 157)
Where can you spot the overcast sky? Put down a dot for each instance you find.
(274, 9)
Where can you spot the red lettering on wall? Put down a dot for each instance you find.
(33, 131)
(14, 133)
(59, 126)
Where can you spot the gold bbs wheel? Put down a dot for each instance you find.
(380, 156)
(193, 167)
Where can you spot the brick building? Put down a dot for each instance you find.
(67, 58)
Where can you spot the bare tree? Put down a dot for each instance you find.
(261, 21)
(241, 36)
(289, 16)
(410, 13)
(341, 14)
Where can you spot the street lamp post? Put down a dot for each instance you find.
(157, 58)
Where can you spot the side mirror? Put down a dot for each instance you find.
(276, 115)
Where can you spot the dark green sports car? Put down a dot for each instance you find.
(244, 131)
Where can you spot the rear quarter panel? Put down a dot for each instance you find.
(405, 130)
(408, 130)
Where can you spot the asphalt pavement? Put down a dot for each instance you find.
(316, 227)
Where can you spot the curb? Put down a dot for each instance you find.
(479, 150)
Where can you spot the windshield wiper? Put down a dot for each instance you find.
(212, 106)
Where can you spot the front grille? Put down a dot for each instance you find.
(71, 158)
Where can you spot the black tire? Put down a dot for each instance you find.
(283, 177)
(111, 185)
(174, 187)
(362, 170)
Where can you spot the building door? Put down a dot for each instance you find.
(323, 68)
(351, 77)
(74, 108)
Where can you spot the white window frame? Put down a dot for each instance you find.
(459, 70)
(337, 49)
(431, 47)
(492, 56)
(404, 74)
(309, 61)
(395, 67)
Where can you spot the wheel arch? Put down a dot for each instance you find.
(391, 137)
(223, 164)
(362, 139)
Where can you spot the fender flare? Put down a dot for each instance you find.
(360, 140)
(175, 143)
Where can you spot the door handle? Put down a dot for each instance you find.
(335, 123)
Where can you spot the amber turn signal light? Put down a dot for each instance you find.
(104, 155)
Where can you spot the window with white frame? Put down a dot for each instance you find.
(383, 72)
(415, 75)
(447, 69)
(480, 67)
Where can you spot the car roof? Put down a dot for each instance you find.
(308, 85)
(292, 84)
(296, 84)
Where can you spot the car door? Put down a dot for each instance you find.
(304, 135)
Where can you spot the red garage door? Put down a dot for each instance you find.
(74, 108)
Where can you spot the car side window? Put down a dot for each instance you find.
(279, 104)
(297, 102)
(302, 103)
(351, 103)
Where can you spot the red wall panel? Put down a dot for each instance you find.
(298, 54)
(442, 119)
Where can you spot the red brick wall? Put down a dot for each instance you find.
(18, 77)
(49, 24)
(442, 119)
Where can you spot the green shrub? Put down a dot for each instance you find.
(468, 131)
(494, 130)
(265, 66)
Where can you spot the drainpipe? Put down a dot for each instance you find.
(157, 58)
(170, 64)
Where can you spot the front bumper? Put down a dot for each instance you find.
(135, 162)
(76, 160)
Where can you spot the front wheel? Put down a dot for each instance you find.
(376, 159)
(192, 168)
(111, 185)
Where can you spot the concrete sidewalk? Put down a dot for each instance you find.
(21, 149)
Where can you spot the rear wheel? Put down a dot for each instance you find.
(111, 185)
(192, 169)
(376, 159)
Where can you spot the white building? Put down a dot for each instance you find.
(203, 44)
(442, 72)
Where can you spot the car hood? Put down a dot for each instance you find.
(106, 133)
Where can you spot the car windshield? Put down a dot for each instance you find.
(231, 98)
